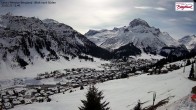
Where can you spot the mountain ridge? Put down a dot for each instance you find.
(24, 38)
(138, 32)
(189, 41)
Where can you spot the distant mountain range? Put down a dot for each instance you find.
(189, 41)
(137, 32)
(143, 36)
(24, 39)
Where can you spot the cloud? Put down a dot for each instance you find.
(83, 15)
(148, 7)
(143, 7)
(172, 20)
(188, 19)
(160, 8)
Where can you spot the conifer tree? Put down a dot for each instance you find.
(138, 106)
(94, 100)
(188, 62)
(133, 70)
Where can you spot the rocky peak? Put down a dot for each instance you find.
(91, 32)
(137, 22)
(47, 21)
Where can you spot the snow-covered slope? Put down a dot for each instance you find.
(20, 23)
(23, 40)
(185, 103)
(98, 37)
(148, 56)
(40, 66)
(137, 32)
(123, 94)
(188, 41)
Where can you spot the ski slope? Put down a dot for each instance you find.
(123, 94)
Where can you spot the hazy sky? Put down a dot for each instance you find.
(83, 15)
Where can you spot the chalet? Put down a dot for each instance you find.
(75, 85)
(39, 99)
(164, 70)
(169, 69)
(38, 78)
(10, 92)
(20, 98)
(63, 90)
(150, 70)
(51, 75)
(49, 92)
(12, 97)
(37, 94)
(54, 89)
(130, 74)
(6, 99)
(8, 105)
(138, 72)
(44, 94)
(3, 93)
(19, 94)
(42, 91)
(29, 93)
(16, 102)
(28, 101)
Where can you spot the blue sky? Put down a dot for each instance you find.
(83, 15)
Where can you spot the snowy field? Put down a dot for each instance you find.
(147, 56)
(41, 66)
(183, 104)
(123, 94)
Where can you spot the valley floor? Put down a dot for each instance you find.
(123, 94)
(40, 66)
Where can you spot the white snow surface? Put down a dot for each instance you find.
(147, 56)
(101, 37)
(185, 103)
(123, 94)
(33, 31)
(49, 21)
(40, 66)
(189, 41)
(140, 35)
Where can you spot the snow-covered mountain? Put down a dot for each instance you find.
(189, 41)
(98, 37)
(138, 32)
(23, 39)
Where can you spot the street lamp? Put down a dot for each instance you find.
(154, 97)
